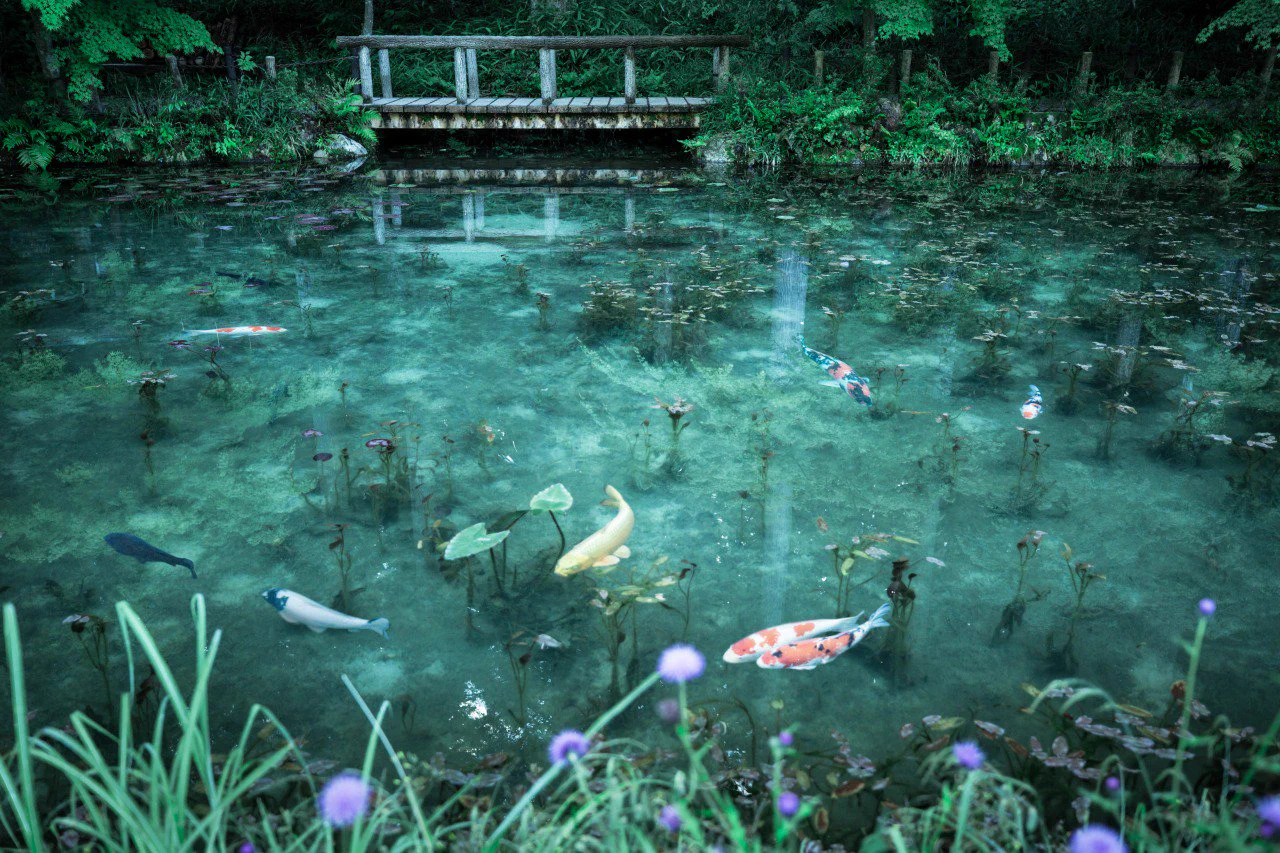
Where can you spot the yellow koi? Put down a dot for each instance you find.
(605, 547)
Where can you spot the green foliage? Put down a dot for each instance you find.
(1260, 18)
(87, 33)
(991, 23)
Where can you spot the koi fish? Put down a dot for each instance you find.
(605, 547)
(751, 647)
(842, 375)
(1034, 405)
(297, 609)
(807, 654)
(239, 330)
(145, 552)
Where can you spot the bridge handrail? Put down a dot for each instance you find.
(467, 79)
(541, 42)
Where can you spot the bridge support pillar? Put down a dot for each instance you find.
(547, 74)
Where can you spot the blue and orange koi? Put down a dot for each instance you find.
(842, 374)
(1034, 405)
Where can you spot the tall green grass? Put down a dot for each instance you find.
(163, 785)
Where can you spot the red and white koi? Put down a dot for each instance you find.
(751, 647)
(807, 654)
(1034, 405)
(842, 375)
(239, 330)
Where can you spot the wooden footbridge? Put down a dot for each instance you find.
(468, 109)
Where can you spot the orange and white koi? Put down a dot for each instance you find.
(1034, 405)
(807, 654)
(751, 647)
(239, 330)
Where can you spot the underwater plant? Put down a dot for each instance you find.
(1111, 408)
(519, 274)
(1257, 477)
(675, 413)
(1068, 401)
(338, 547)
(992, 363)
(1183, 437)
(764, 447)
(1029, 489)
(542, 300)
(519, 651)
(149, 384)
(865, 546)
(147, 443)
(554, 498)
(91, 631)
(467, 543)
(641, 456)
(890, 403)
(1028, 548)
(902, 597)
(835, 319)
(617, 605)
(1081, 575)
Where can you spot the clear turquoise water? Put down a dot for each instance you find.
(404, 305)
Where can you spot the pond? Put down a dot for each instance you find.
(505, 330)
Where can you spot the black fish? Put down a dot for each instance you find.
(254, 281)
(132, 546)
(226, 274)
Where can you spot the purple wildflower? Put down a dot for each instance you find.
(1207, 606)
(669, 817)
(681, 663)
(669, 711)
(344, 799)
(1097, 839)
(1113, 783)
(1269, 811)
(788, 803)
(311, 432)
(247, 847)
(570, 744)
(786, 738)
(968, 754)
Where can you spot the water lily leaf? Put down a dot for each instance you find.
(947, 723)
(472, 540)
(551, 499)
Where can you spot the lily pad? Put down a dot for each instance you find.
(472, 540)
(551, 499)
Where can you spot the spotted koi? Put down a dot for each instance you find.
(239, 330)
(807, 654)
(764, 641)
(842, 374)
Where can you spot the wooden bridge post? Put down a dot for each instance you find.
(473, 75)
(720, 67)
(172, 62)
(1082, 75)
(551, 216)
(469, 217)
(479, 211)
(629, 75)
(1175, 72)
(379, 222)
(629, 213)
(904, 69)
(547, 74)
(366, 75)
(397, 207)
(460, 74)
(819, 66)
(269, 67)
(384, 71)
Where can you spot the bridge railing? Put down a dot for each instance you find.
(466, 78)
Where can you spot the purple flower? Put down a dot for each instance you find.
(669, 711)
(1207, 606)
(786, 738)
(344, 799)
(1113, 783)
(311, 432)
(788, 803)
(1097, 839)
(968, 754)
(681, 663)
(1269, 811)
(670, 818)
(247, 847)
(568, 745)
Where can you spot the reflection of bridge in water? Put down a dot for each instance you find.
(475, 186)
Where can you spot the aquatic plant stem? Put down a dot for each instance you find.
(559, 553)
(1184, 719)
(551, 773)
